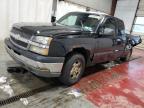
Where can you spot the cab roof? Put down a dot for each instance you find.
(91, 12)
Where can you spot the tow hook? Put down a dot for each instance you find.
(16, 70)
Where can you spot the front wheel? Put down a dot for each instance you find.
(127, 57)
(73, 69)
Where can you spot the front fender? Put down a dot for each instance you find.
(88, 44)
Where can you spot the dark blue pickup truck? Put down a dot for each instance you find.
(64, 48)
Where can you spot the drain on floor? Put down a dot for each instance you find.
(25, 94)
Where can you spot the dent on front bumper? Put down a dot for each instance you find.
(52, 69)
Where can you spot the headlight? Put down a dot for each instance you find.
(42, 40)
(40, 45)
(39, 50)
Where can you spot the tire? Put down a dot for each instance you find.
(73, 69)
(127, 57)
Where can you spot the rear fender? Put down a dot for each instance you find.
(135, 40)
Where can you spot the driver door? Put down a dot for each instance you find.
(105, 39)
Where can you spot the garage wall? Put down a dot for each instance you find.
(126, 10)
(3, 18)
(65, 7)
(138, 25)
(12, 11)
(140, 11)
(101, 5)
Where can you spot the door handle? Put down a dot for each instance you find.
(116, 50)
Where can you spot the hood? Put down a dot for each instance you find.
(47, 29)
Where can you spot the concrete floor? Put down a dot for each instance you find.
(118, 87)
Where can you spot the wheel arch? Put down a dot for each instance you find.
(80, 50)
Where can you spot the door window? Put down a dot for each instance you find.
(109, 27)
(121, 28)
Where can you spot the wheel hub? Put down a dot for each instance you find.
(76, 69)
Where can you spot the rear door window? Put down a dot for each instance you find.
(121, 28)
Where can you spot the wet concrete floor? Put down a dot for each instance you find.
(121, 86)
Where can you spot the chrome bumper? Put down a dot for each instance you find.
(38, 68)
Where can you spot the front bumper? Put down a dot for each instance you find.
(50, 68)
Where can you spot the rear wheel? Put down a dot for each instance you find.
(73, 69)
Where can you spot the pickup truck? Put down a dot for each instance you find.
(65, 47)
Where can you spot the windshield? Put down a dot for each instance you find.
(87, 21)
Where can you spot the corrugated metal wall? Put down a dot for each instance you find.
(12, 11)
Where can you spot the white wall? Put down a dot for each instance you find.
(12, 11)
(65, 7)
(3, 19)
(126, 10)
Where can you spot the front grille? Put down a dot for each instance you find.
(21, 34)
(19, 43)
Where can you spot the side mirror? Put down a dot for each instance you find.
(101, 31)
(106, 31)
(53, 19)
